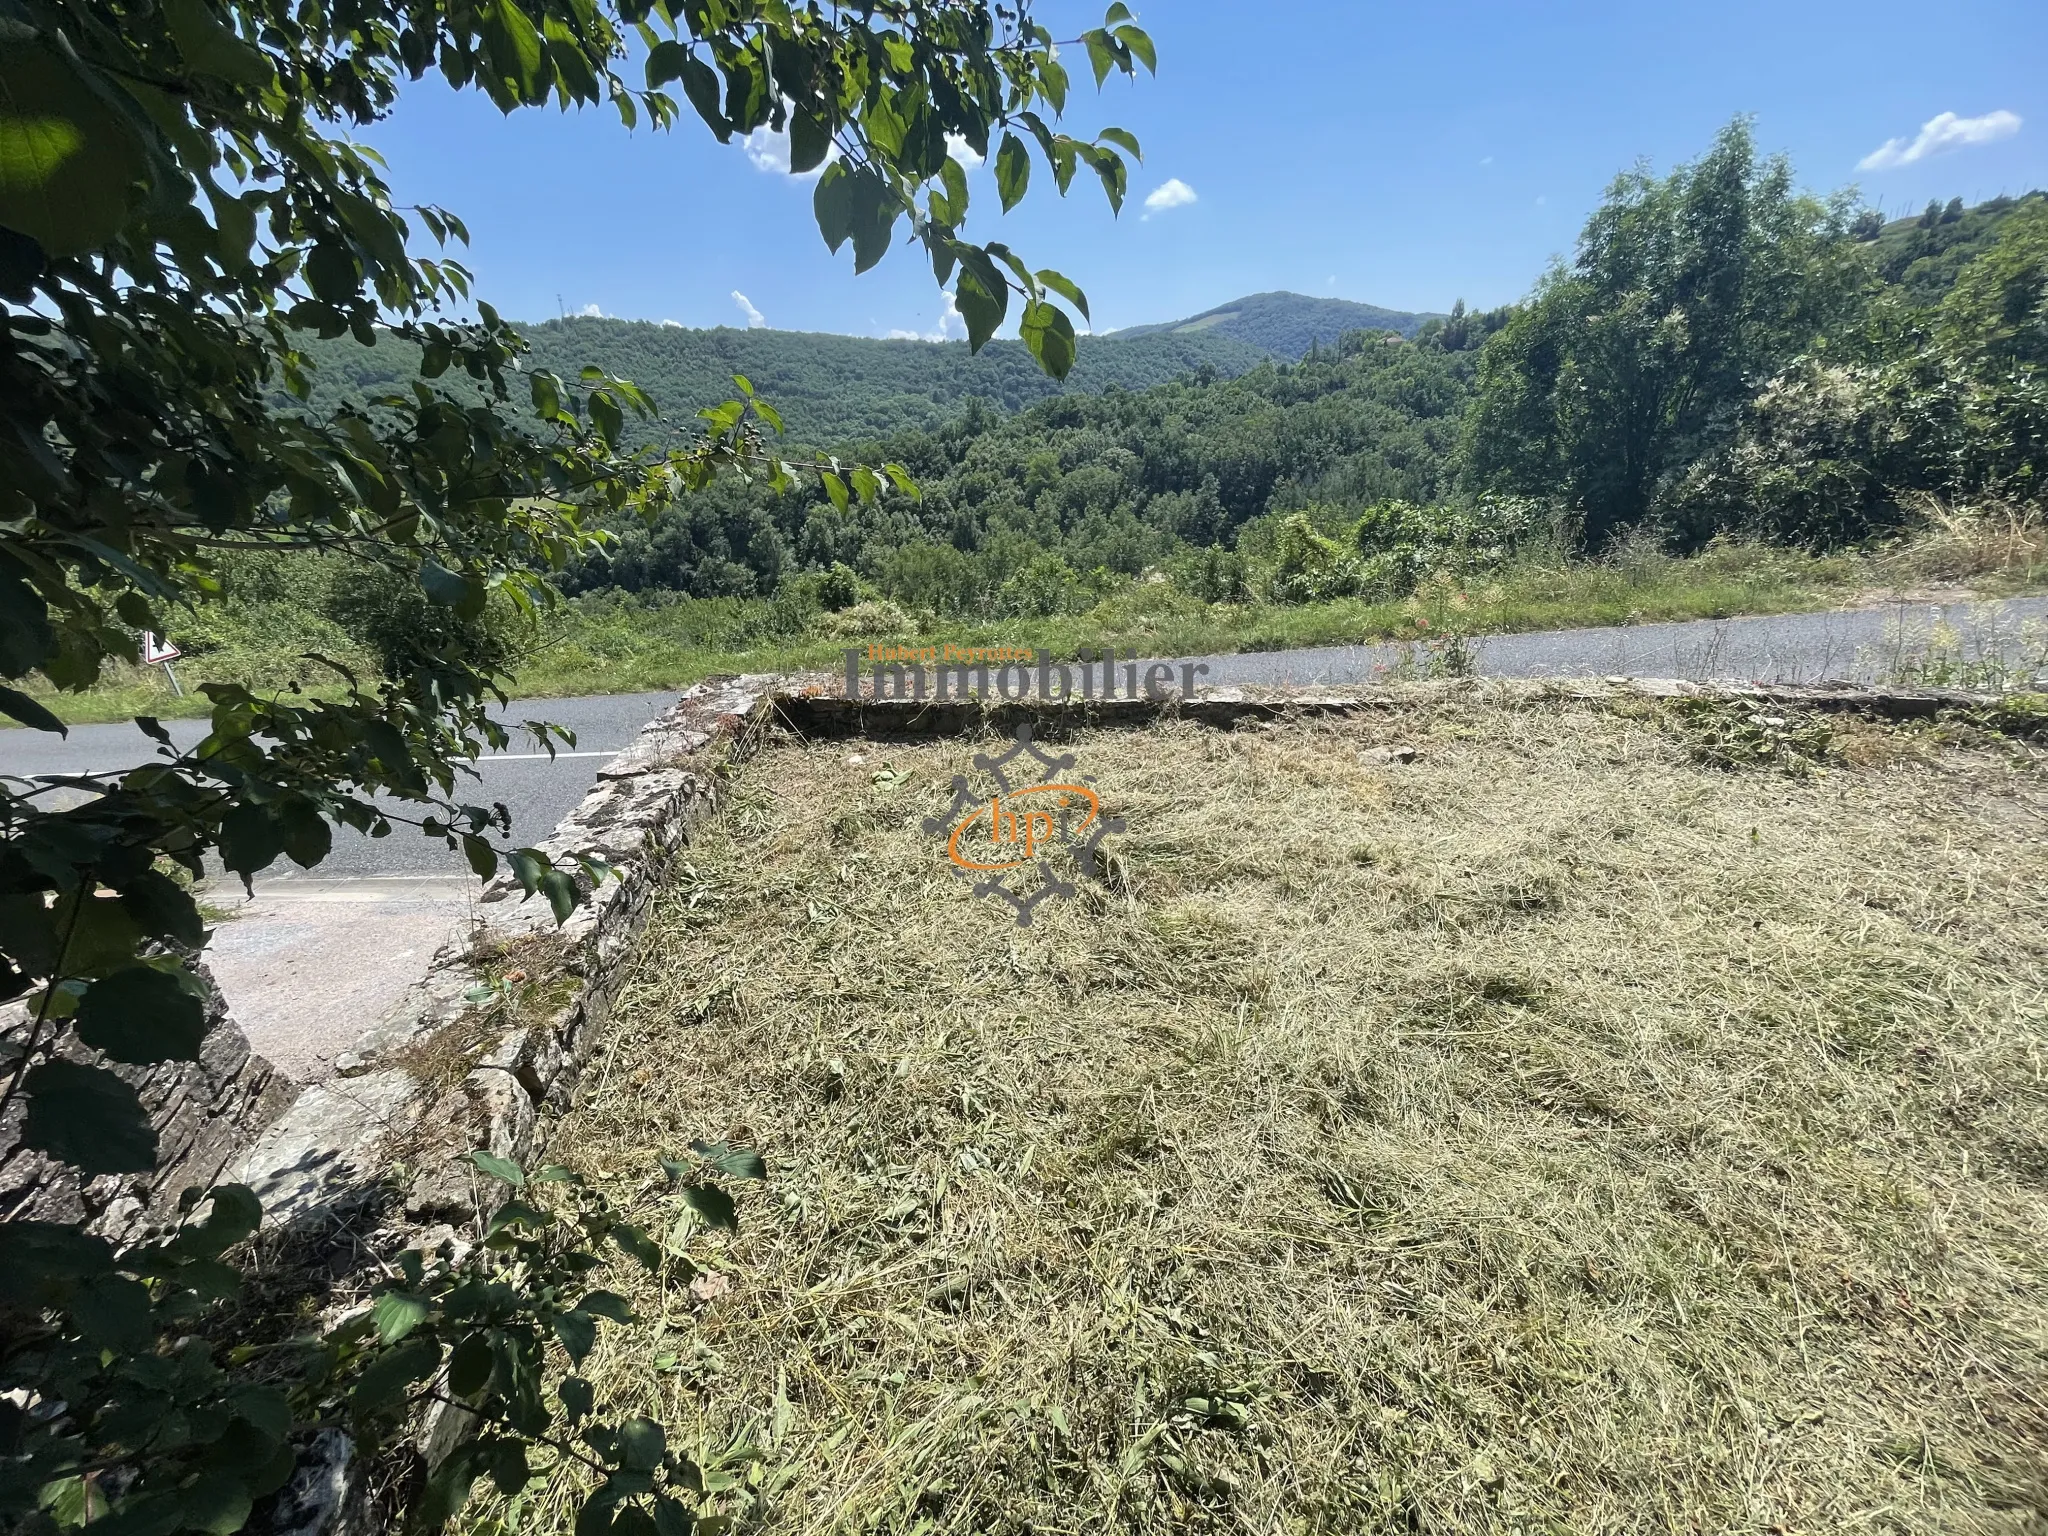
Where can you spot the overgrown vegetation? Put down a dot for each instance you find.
(612, 641)
(1549, 1129)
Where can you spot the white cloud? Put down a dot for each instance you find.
(1939, 134)
(768, 151)
(1540, 201)
(590, 312)
(960, 150)
(755, 319)
(1172, 193)
(952, 325)
(672, 325)
(1486, 160)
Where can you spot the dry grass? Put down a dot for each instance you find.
(1553, 1134)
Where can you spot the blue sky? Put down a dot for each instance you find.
(1404, 155)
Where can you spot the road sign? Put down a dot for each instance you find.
(155, 650)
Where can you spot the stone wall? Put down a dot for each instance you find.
(493, 1038)
(206, 1114)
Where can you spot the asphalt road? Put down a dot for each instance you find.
(537, 791)
(1856, 645)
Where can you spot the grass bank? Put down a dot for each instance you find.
(620, 643)
(1552, 1133)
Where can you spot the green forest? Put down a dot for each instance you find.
(1724, 356)
(1724, 363)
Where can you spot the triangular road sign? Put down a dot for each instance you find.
(155, 650)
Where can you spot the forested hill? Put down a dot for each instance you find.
(830, 389)
(1923, 253)
(1284, 324)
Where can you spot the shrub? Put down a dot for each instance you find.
(406, 631)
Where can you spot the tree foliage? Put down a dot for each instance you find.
(1630, 362)
(181, 212)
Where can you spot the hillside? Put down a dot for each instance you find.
(1284, 324)
(1923, 253)
(830, 389)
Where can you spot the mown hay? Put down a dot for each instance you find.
(1554, 1133)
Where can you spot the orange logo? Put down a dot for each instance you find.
(1052, 826)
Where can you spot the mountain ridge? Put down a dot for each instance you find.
(1284, 324)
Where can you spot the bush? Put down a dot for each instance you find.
(405, 631)
(1047, 586)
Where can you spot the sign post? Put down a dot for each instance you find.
(162, 653)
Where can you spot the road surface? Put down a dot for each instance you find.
(1855, 645)
(315, 957)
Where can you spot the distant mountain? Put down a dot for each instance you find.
(831, 390)
(1284, 324)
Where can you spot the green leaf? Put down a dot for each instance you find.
(29, 712)
(1123, 140)
(578, 1397)
(112, 1312)
(809, 142)
(665, 62)
(642, 1444)
(560, 891)
(832, 204)
(142, 1015)
(250, 839)
(483, 858)
(633, 1241)
(469, 1367)
(670, 1518)
(606, 416)
(606, 1304)
(72, 164)
(307, 837)
(219, 1503)
(712, 1205)
(980, 307)
(515, 49)
(835, 488)
(874, 217)
(1013, 171)
(211, 48)
(442, 584)
(1067, 289)
(578, 1333)
(392, 1372)
(396, 1313)
(700, 84)
(509, 1469)
(499, 1167)
(1100, 54)
(1047, 331)
(234, 1213)
(735, 1162)
(87, 1117)
(1140, 44)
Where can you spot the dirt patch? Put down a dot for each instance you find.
(1547, 1132)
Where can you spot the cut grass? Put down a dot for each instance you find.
(1552, 1134)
